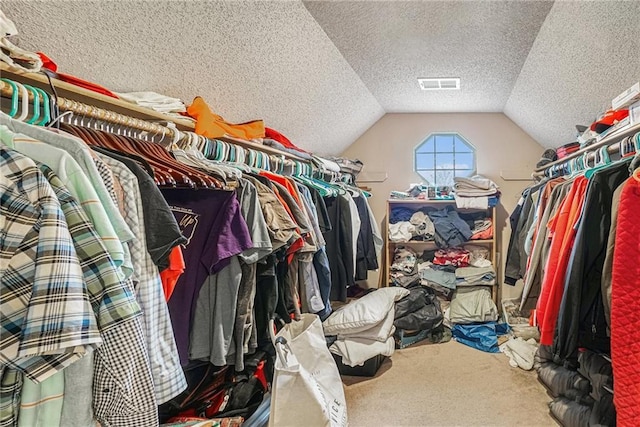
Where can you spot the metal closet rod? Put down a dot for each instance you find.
(89, 111)
(611, 141)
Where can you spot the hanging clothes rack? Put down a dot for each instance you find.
(88, 104)
(89, 111)
(612, 143)
(281, 162)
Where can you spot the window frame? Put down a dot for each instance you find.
(417, 151)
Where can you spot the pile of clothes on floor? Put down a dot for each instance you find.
(582, 396)
(476, 192)
(447, 227)
(364, 328)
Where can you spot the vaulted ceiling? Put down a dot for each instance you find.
(322, 72)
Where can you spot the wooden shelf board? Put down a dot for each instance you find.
(79, 94)
(89, 97)
(431, 242)
(423, 201)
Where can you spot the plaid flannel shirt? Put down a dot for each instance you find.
(122, 359)
(47, 318)
(47, 321)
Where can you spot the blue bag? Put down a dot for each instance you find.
(483, 336)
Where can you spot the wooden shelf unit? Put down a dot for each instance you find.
(419, 203)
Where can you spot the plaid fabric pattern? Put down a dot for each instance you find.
(122, 358)
(47, 320)
(10, 386)
(110, 185)
(168, 377)
(112, 302)
(122, 383)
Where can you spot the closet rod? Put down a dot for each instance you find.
(86, 110)
(97, 113)
(612, 141)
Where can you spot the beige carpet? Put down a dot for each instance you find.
(447, 385)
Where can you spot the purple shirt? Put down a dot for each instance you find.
(212, 222)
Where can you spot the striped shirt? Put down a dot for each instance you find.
(168, 376)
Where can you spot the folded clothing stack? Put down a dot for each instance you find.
(475, 192)
(475, 276)
(364, 328)
(567, 149)
(404, 269)
(154, 101)
(472, 305)
(450, 229)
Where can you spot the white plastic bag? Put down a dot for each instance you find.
(307, 389)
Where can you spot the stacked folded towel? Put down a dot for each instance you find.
(154, 101)
(475, 192)
(475, 186)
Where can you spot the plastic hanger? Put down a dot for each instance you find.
(46, 107)
(36, 105)
(601, 160)
(14, 97)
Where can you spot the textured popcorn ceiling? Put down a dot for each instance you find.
(585, 55)
(390, 44)
(248, 60)
(324, 72)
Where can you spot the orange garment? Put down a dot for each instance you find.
(213, 126)
(484, 234)
(286, 183)
(171, 274)
(563, 228)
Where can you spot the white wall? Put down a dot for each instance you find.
(500, 144)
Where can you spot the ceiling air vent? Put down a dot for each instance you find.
(442, 83)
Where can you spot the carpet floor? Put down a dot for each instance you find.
(447, 385)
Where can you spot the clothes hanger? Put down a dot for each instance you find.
(601, 161)
(14, 97)
(24, 101)
(111, 141)
(36, 105)
(46, 105)
(162, 157)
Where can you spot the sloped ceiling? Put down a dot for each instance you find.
(248, 60)
(585, 55)
(390, 44)
(323, 72)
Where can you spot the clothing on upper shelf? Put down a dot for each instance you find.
(211, 125)
(154, 101)
(476, 192)
(450, 229)
(474, 186)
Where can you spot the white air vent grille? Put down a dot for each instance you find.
(442, 83)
